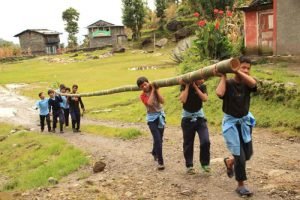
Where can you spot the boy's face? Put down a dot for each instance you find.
(67, 91)
(42, 96)
(199, 82)
(74, 89)
(51, 95)
(63, 90)
(145, 87)
(245, 68)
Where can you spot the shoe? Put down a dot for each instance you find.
(205, 168)
(243, 191)
(160, 167)
(78, 130)
(190, 171)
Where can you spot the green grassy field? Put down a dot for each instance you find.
(111, 72)
(28, 159)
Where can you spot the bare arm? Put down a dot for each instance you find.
(184, 94)
(247, 79)
(203, 96)
(151, 97)
(221, 89)
(159, 97)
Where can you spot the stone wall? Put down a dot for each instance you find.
(33, 42)
(288, 27)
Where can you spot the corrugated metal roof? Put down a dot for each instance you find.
(41, 31)
(101, 23)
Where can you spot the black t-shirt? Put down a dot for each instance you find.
(193, 102)
(236, 100)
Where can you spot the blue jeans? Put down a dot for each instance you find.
(189, 129)
(157, 134)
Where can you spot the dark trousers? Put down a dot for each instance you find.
(157, 134)
(58, 114)
(67, 113)
(42, 122)
(245, 154)
(189, 129)
(75, 116)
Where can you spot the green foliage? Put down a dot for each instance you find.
(134, 16)
(28, 159)
(206, 7)
(71, 17)
(212, 43)
(123, 133)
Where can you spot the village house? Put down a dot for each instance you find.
(272, 27)
(102, 33)
(39, 41)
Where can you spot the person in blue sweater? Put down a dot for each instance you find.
(238, 122)
(57, 111)
(43, 106)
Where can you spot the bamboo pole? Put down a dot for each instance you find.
(225, 66)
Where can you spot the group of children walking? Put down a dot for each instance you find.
(60, 107)
(236, 126)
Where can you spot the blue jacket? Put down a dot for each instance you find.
(193, 115)
(231, 134)
(43, 106)
(154, 115)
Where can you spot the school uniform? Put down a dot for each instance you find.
(237, 125)
(43, 106)
(57, 111)
(193, 120)
(75, 111)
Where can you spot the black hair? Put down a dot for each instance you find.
(68, 89)
(50, 91)
(40, 94)
(75, 86)
(141, 80)
(244, 59)
(62, 86)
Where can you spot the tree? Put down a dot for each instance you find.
(71, 17)
(161, 5)
(133, 16)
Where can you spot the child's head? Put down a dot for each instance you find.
(74, 88)
(143, 84)
(68, 90)
(61, 86)
(41, 95)
(51, 93)
(199, 82)
(63, 90)
(245, 65)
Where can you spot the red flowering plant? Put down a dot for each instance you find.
(212, 41)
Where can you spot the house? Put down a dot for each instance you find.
(102, 33)
(272, 27)
(39, 41)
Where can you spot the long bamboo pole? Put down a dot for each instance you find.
(225, 66)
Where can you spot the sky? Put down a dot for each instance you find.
(19, 15)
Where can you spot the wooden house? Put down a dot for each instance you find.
(272, 27)
(102, 33)
(39, 41)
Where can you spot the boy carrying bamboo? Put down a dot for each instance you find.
(193, 120)
(152, 99)
(238, 122)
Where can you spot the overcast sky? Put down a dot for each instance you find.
(19, 15)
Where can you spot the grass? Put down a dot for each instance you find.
(93, 75)
(28, 159)
(123, 133)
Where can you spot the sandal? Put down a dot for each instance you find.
(230, 172)
(243, 192)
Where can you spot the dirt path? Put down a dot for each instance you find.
(274, 170)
